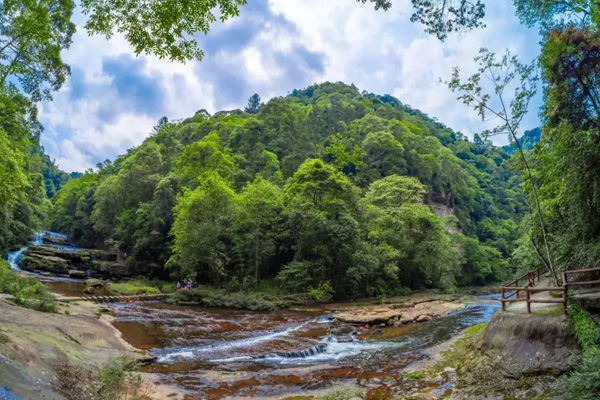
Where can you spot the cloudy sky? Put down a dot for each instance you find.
(113, 99)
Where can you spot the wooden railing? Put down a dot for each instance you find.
(523, 293)
(571, 279)
(528, 290)
(529, 279)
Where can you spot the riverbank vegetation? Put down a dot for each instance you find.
(27, 292)
(584, 382)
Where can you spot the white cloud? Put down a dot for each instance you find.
(379, 51)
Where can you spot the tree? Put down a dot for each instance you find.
(319, 202)
(202, 158)
(253, 106)
(255, 225)
(32, 35)
(409, 239)
(506, 73)
(442, 17)
(550, 14)
(202, 220)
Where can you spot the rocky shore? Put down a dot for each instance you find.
(396, 314)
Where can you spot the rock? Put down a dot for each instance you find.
(382, 325)
(529, 345)
(73, 273)
(94, 283)
(378, 332)
(423, 318)
(405, 320)
(367, 315)
(89, 290)
(36, 262)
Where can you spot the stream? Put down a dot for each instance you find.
(218, 353)
(215, 353)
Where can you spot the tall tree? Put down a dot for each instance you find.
(253, 106)
(505, 73)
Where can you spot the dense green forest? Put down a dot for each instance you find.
(28, 175)
(353, 193)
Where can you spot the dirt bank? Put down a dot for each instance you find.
(36, 347)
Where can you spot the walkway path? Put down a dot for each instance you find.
(521, 307)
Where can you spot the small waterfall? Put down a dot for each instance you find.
(305, 353)
(38, 239)
(15, 257)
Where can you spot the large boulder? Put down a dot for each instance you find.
(525, 345)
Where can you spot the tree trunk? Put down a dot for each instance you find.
(549, 263)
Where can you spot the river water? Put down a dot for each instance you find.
(215, 353)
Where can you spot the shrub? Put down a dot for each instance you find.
(120, 379)
(212, 297)
(323, 292)
(584, 382)
(27, 292)
(342, 393)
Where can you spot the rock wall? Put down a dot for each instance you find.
(64, 261)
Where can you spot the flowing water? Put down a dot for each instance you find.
(59, 284)
(216, 354)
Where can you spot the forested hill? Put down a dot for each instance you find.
(328, 188)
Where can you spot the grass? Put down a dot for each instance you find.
(454, 356)
(27, 292)
(342, 393)
(134, 286)
(416, 375)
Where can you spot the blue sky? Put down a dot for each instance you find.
(112, 99)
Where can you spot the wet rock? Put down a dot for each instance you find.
(73, 273)
(424, 318)
(367, 315)
(97, 283)
(38, 262)
(378, 332)
(89, 290)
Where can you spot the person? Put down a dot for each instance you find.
(89, 273)
(178, 287)
(188, 284)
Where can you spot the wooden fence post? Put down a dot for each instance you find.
(502, 299)
(528, 297)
